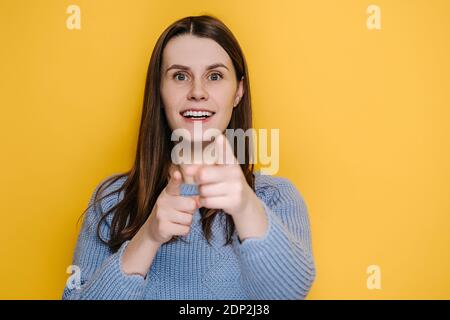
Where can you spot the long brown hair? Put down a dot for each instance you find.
(150, 172)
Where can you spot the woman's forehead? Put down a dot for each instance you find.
(194, 52)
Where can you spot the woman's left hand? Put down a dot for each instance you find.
(222, 185)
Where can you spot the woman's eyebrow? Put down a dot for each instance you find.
(213, 66)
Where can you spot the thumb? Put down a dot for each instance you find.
(173, 187)
(197, 201)
(188, 172)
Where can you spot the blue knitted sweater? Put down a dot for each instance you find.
(278, 265)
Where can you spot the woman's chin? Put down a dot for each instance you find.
(199, 132)
(196, 133)
(199, 141)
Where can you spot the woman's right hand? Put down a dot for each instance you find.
(172, 213)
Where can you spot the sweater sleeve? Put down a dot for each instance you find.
(100, 273)
(280, 264)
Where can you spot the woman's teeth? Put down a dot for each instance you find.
(197, 114)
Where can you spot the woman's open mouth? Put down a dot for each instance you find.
(196, 115)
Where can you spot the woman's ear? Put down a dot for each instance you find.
(239, 92)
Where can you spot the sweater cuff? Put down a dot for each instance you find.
(187, 189)
(113, 283)
(276, 239)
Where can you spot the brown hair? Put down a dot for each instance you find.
(150, 172)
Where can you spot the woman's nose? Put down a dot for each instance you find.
(197, 91)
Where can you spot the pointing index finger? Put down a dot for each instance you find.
(225, 153)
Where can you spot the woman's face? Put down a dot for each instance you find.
(198, 84)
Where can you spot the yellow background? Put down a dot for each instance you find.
(363, 118)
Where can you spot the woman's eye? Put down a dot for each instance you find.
(215, 76)
(180, 76)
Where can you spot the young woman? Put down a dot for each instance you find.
(208, 231)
